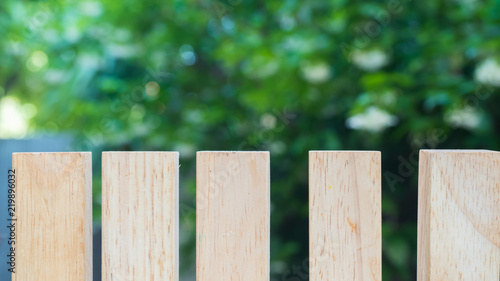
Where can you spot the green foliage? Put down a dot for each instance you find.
(285, 76)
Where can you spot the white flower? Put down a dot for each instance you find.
(488, 72)
(89, 61)
(467, 118)
(316, 73)
(370, 60)
(55, 76)
(259, 67)
(268, 121)
(91, 9)
(122, 50)
(373, 119)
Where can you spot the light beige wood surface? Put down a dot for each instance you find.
(140, 216)
(345, 242)
(232, 216)
(54, 216)
(459, 215)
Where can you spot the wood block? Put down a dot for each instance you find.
(459, 215)
(345, 223)
(140, 216)
(232, 216)
(54, 216)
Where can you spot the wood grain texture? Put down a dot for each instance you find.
(459, 215)
(232, 216)
(345, 235)
(140, 216)
(54, 216)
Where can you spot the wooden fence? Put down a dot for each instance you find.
(458, 216)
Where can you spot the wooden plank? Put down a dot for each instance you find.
(232, 216)
(54, 216)
(140, 216)
(345, 241)
(459, 215)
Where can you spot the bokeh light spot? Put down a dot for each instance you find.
(37, 61)
(188, 55)
(152, 89)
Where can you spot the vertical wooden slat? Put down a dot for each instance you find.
(232, 216)
(459, 215)
(345, 241)
(140, 216)
(54, 216)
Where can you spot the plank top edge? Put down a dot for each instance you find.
(232, 152)
(465, 151)
(350, 151)
(344, 151)
(47, 153)
(140, 152)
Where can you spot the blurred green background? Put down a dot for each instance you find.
(284, 76)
